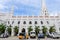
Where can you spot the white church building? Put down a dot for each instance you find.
(25, 21)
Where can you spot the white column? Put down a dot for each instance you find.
(27, 25)
(33, 24)
(20, 26)
(12, 33)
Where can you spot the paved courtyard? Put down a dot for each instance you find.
(16, 38)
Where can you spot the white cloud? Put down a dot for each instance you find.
(55, 13)
(5, 1)
(2, 6)
(57, 0)
(16, 7)
(34, 3)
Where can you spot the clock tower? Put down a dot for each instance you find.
(44, 11)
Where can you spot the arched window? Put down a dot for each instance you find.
(23, 30)
(47, 22)
(12, 22)
(35, 22)
(18, 22)
(24, 22)
(30, 22)
(41, 22)
(8, 22)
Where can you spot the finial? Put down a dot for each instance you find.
(44, 9)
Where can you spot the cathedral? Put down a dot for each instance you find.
(25, 21)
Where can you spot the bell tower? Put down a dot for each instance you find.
(44, 11)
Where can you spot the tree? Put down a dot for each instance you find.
(9, 30)
(44, 30)
(29, 29)
(16, 30)
(52, 29)
(37, 29)
(2, 28)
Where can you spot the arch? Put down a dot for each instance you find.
(24, 22)
(8, 22)
(23, 30)
(35, 22)
(47, 22)
(12, 22)
(41, 22)
(18, 22)
(30, 22)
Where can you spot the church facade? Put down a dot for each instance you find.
(25, 21)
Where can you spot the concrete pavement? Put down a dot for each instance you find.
(16, 38)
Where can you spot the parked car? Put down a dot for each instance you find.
(53, 35)
(49, 35)
(4, 35)
(32, 34)
(41, 35)
(21, 36)
(27, 36)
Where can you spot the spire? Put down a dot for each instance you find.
(12, 10)
(44, 9)
(43, 4)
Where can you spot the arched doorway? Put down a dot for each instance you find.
(23, 31)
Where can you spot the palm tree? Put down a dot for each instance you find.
(9, 30)
(44, 30)
(2, 28)
(16, 30)
(52, 29)
(29, 29)
(37, 29)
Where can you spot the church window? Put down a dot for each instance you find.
(8, 22)
(47, 22)
(30, 22)
(18, 22)
(35, 22)
(12, 22)
(41, 22)
(24, 22)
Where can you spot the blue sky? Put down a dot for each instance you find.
(29, 7)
